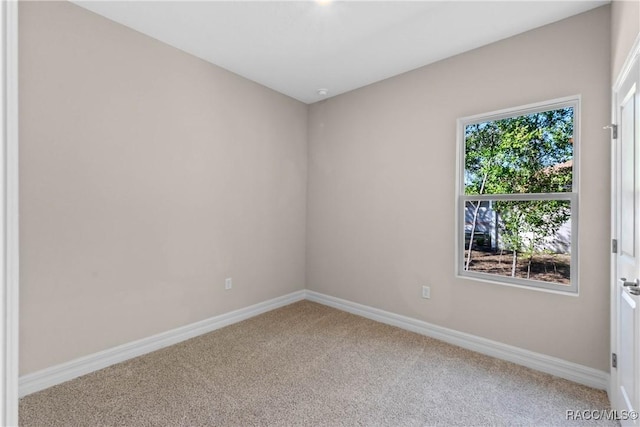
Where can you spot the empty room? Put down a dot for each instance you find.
(385, 213)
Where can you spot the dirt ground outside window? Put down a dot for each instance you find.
(554, 268)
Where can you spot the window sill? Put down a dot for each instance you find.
(531, 285)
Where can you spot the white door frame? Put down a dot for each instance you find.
(626, 68)
(9, 231)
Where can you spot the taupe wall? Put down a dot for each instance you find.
(147, 177)
(625, 27)
(381, 180)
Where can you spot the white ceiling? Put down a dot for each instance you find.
(297, 47)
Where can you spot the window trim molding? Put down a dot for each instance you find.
(574, 101)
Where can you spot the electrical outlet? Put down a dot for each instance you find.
(228, 284)
(426, 292)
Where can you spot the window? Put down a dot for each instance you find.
(517, 201)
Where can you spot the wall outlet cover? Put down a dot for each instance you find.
(426, 292)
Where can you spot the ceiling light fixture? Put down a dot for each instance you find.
(323, 92)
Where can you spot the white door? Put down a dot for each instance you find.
(626, 292)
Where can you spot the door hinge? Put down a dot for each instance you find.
(614, 360)
(614, 246)
(614, 130)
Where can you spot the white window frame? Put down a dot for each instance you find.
(461, 198)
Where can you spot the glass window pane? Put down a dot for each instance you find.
(532, 153)
(526, 239)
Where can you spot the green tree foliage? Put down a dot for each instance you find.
(525, 154)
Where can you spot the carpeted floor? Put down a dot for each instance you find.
(307, 364)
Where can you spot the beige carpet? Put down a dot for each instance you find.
(307, 364)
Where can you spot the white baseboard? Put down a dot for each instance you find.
(540, 362)
(49, 377)
(58, 374)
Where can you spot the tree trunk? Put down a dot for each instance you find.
(514, 263)
(532, 248)
(474, 222)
